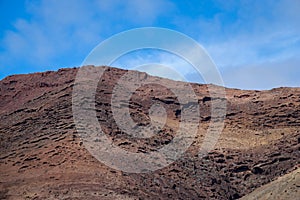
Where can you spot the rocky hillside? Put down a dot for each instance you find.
(43, 157)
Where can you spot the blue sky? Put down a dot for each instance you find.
(255, 44)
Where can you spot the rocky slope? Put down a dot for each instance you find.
(42, 156)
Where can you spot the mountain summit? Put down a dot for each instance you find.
(43, 156)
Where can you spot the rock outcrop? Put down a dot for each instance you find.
(42, 156)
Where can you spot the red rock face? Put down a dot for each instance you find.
(43, 157)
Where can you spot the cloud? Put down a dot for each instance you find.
(168, 65)
(53, 32)
(160, 70)
(172, 62)
(244, 38)
(265, 75)
(61, 33)
(245, 32)
(138, 12)
(243, 49)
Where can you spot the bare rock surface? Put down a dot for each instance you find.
(42, 156)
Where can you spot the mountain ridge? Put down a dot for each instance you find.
(40, 147)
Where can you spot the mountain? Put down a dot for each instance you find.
(43, 156)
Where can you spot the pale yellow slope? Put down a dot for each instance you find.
(286, 187)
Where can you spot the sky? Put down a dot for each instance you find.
(254, 44)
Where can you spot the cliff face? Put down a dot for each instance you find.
(42, 155)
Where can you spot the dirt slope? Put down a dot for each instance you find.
(42, 156)
(285, 187)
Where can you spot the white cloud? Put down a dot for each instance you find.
(64, 32)
(245, 32)
(171, 61)
(243, 50)
(265, 75)
(53, 31)
(139, 12)
(245, 38)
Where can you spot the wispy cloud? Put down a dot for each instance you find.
(175, 67)
(138, 12)
(61, 33)
(56, 30)
(244, 38)
(264, 75)
(255, 44)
